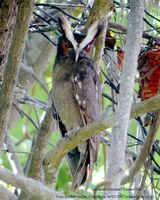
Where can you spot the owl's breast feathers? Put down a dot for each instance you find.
(77, 85)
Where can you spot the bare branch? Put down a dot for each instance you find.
(22, 97)
(140, 192)
(39, 147)
(11, 149)
(6, 194)
(33, 187)
(123, 30)
(32, 72)
(63, 5)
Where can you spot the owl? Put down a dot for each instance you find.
(76, 94)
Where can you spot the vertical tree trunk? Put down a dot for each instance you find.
(120, 128)
(11, 70)
(8, 10)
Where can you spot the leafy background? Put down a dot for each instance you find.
(23, 131)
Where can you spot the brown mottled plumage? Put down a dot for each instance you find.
(77, 94)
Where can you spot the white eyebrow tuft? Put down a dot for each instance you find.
(90, 35)
(68, 31)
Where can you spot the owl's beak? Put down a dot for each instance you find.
(77, 55)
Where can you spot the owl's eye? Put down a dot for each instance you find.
(87, 47)
(68, 44)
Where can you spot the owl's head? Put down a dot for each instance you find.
(75, 43)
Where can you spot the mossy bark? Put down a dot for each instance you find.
(8, 10)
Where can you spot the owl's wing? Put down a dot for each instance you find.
(87, 93)
(87, 90)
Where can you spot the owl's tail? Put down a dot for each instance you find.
(86, 161)
(73, 157)
(81, 165)
(78, 164)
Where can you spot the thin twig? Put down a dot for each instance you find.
(142, 184)
(63, 5)
(13, 157)
(27, 116)
(124, 30)
(54, 7)
(32, 72)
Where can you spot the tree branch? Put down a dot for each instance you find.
(6, 194)
(123, 29)
(40, 144)
(28, 185)
(99, 11)
(12, 155)
(66, 144)
(13, 64)
(31, 71)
